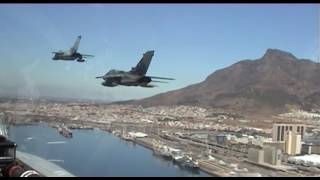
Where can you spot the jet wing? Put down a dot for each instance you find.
(154, 77)
(148, 86)
(44, 167)
(109, 76)
(87, 55)
(159, 81)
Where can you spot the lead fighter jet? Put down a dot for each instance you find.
(135, 77)
(71, 54)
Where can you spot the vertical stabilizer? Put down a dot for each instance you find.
(143, 65)
(76, 45)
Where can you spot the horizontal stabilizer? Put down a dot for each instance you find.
(161, 78)
(99, 77)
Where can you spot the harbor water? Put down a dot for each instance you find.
(94, 153)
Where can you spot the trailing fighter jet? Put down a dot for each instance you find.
(71, 54)
(135, 77)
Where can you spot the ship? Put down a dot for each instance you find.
(127, 137)
(161, 150)
(65, 131)
(190, 163)
(165, 152)
(184, 160)
(177, 156)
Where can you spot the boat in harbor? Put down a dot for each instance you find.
(116, 133)
(164, 152)
(127, 137)
(190, 163)
(161, 150)
(65, 131)
(177, 156)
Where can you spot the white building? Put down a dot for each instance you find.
(306, 160)
(293, 143)
(137, 134)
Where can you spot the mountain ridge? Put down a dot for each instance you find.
(271, 82)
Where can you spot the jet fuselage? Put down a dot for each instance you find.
(67, 56)
(135, 77)
(124, 78)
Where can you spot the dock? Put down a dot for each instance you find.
(212, 169)
(205, 166)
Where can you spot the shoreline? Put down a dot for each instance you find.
(212, 168)
(143, 142)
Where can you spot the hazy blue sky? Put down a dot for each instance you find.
(190, 41)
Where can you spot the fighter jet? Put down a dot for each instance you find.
(71, 54)
(135, 77)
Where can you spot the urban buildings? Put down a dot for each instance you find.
(279, 131)
(288, 137)
(311, 146)
(267, 155)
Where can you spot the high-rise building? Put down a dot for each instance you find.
(293, 143)
(280, 131)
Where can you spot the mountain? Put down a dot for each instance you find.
(272, 82)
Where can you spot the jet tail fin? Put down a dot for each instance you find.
(76, 45)
(143, 65)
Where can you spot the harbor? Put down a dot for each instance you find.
(185, 144)
(172, 150)
(180, 148)
(178, 157)
(113, 157)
